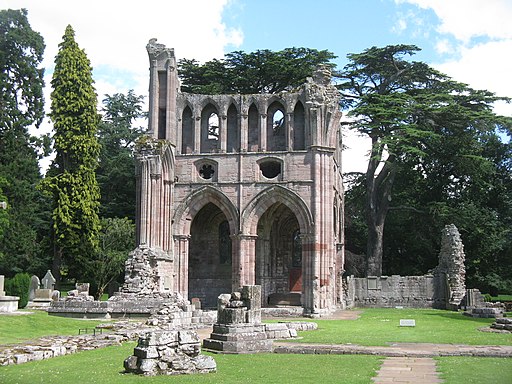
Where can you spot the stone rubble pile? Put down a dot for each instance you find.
(169, 353)
(503, 324)
(181, 313)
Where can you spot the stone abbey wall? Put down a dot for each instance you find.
(445, 288)
(242, 190)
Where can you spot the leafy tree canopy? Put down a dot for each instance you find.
(21, 107)
(419, 120)
(116, 172)
(262, 71)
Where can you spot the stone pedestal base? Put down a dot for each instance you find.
(9, 303)
(238, 338)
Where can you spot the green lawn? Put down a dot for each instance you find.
(17, 328)
(375, 327)
(380, 326)
(106, 365)
(475, 370)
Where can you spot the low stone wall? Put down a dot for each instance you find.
(391, 291)
(53, 346)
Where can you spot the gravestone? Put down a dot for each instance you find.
(48, 281)
(34, 285)
(7, 303)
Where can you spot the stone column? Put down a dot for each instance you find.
(181, 243)
(263, 132)
(172, 85)
(244, 132)
(197, 134)
(223, 137)
(244, 263)
(310, 279)
(289, 132)
(153, 98)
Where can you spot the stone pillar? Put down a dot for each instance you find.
(223, 137)
(197, 134)
(244, 262)
(289, 132)
(172, 88)
(263, 132)
(153, 98)
(310, 278)
(244, 132)
(2, 292)
(181, 243)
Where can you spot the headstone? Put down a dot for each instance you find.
(407, 322)
(34, 284)
(2, 293)
(43, 294)
(56, 295)
(48, 281)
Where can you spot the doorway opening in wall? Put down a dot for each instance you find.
(279, 257)
(210, 256)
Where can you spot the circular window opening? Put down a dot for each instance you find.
(206, 171)
(270, 169)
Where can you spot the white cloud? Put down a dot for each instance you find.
(114, 33)
(481, 64)
(465, 19)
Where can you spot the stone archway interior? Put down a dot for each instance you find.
(210, 256)
(279, 256)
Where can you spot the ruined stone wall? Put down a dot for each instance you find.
(444, 289)
(391, 291)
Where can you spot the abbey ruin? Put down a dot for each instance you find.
(238, 190)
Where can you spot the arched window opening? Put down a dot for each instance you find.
(276, 127)
(213, 127)
(278, 120)
(187, 131)
(233, 144)
(299, 127)
(254, 130)
(210, 132)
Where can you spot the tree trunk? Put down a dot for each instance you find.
(57, 262)
(378, 197)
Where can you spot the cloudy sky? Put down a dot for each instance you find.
(470, 40)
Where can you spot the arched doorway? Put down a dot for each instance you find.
(279, 256)
(210, 256)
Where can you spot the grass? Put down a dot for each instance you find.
(18, 328)
(380, 326)
(502, 298)
(106, 365)
(375, 327)
(477, 370)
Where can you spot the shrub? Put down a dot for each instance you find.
(18, 286)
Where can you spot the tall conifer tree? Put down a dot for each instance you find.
(24, 224)
(72, 178)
